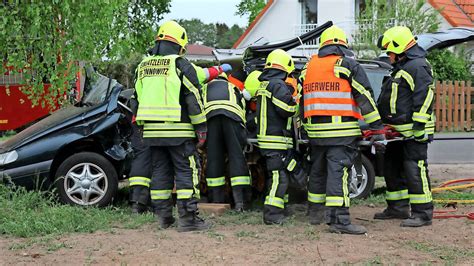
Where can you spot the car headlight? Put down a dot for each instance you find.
(8, 157)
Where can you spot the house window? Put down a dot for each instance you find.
(360, 6)
(309, 11)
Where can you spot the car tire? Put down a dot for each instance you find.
(86, 179)
(366, 184)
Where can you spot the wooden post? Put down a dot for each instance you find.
(463, 105)
(443, 105)
(438, 89)
(450, 105)
(469, 91)
(456, 106)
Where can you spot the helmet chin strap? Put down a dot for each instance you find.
(182, 50)
(399, 57)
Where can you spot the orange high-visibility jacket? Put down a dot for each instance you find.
(324, 93)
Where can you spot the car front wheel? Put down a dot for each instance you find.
(361, 186)
(86, 179)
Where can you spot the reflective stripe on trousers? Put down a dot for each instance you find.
(192, 163)
(338, 201)
(215, 181)
(272, 199)
(139, 181)
(397, 195)
(316, 198)
(240, 180)
(426, 196)
(160, 194)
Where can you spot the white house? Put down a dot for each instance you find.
(285, 19)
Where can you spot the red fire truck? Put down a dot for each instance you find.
(16, 110)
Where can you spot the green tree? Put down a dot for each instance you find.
(199, 32)
(226, 37)
(43, 39)
(214, 35)
(379, 15)
(250, 8)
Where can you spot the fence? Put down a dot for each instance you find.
(454, 106)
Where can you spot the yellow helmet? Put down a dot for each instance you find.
(252, 84)
(173, 32)
(333, 35)
(397, 40)
(281, 60)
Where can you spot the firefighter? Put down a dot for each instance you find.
(406, 103)
(252, 84)
(275, 108)
(140, 171)
(171, 111)
(336, 93)
(225, 112)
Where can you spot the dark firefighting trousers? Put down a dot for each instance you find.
(406, 176)
(225, 135)
(174, 165)
(277, 186)
(329, 181)
(140, 172)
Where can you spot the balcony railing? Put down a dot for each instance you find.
(361, 31)
(12, 79)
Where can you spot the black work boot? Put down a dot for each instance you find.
(138, 208)
(217, 194)
(273, 215)
(163, 209)
(351, 229)
(166, 222)
(316, 213)
(415, 222)
(390, 213)
(240, 198)
(339, 222)
(396, 209)
(188, 217)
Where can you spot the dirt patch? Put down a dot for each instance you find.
(243, 239)
(443, 172)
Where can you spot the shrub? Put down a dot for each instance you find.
(449, 66)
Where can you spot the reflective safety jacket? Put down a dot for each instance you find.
(406, 100)
(223, 98)
(275, 108)
(325, 93)
(169, 103)
(336, 93)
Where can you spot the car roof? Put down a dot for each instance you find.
(446, 38)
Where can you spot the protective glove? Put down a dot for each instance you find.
(225, 68)
(379, 141)
(246, 95)
(420, 136)
(201, 136)
(377, 135)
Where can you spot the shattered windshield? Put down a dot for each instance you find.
(96, 88)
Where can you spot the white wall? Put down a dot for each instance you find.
(340, 12)
(278, 23)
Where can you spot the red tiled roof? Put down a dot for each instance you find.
(467, 6)
(250, 27)
(198, 49)
(458, 13)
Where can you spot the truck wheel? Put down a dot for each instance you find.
(360, 187)
(86, 179)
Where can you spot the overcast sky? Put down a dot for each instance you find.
(209, 11)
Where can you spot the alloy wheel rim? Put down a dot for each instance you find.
(85, 184)
(357, 184)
